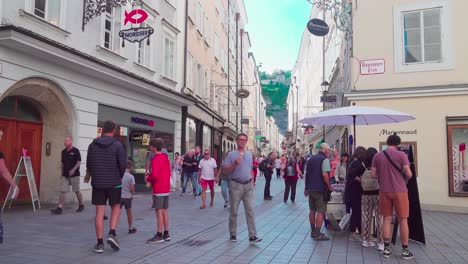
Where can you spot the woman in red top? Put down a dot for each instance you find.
(254, 168)
(291, 175)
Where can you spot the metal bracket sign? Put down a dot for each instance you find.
(94, 8)
(24, 169)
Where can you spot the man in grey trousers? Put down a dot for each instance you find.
(238, 164)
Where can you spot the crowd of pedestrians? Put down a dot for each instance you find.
(375, 186)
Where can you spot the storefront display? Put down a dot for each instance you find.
(135, 131)
(458, 171)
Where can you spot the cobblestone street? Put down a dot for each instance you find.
(202, 236)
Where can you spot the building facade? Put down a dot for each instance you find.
(57, 79)
(416, 66)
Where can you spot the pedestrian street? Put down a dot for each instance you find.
(201, 236)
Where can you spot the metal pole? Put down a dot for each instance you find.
(242, 76)
(297, 113)
(237, 71)
(323, 71)
(229, 66)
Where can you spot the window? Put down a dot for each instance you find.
(206, 88)
(48, 10)
(422, 36)
(144, 49)
(199, 18)
(216, 46)
(191, 11)
(190, 70)
(200, 81)
(169, 58)
(420, 44)
(457, 133)
(112, 26)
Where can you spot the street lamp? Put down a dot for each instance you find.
(324, 86)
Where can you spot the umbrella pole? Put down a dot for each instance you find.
(354, 132)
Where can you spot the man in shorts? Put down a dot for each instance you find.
(317, 182)
(128, 189)
(393, 193)
(207, 169)
(106, 163)
(160, 179)
(71, 161)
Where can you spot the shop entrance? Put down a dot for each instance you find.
(21, 124)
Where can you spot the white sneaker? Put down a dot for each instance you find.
(368, 244)
(380, 247)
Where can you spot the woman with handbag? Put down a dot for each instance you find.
(370, 204)
(353, 191)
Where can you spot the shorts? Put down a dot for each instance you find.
(316, 202)
(206, 183)
(127, 202)
(397, 200)
(160, 202)
(65, 183)
(101, 196)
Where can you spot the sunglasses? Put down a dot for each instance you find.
(207, 153)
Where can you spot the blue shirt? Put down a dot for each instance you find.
(243, 171)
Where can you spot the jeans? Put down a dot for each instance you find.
(190, 176)
(290, 185)
(278, 173)
(225, 189)
(198, 186)
(266, 193)
(355, 222)
(242, 192)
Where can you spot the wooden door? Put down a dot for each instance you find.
(18, 135)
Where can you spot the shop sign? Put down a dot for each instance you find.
(371, 67)
(245, 121)
(258, 133)
(283, 145)
(385, 132)
(135, 16)
(99, 131)
(289, 134)
(328, 98)
(136, 34)
(143, 121)
(318, 27)
(123, 131)
(146, 139)
(258, 137)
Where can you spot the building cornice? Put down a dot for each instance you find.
(408, 92)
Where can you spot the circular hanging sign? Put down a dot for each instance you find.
(318, 27)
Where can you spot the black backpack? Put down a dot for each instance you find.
(263, 165)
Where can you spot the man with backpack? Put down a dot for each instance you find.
(291, 175)
(266, 167)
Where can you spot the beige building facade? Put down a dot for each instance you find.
(417, 65)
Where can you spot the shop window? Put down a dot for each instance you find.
(207, 138)
(19, 108)
(457, 160)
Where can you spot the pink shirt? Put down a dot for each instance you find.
(390, 179)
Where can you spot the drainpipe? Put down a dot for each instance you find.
(229, 63)
(242, 76)
(184, 85)
(237, 70)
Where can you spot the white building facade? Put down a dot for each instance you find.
(57, 80)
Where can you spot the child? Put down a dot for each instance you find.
(128, 189)
(160, 179)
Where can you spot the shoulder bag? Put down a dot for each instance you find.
(368, 183)
(402, 172)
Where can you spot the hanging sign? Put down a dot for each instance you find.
(146, 140)
(136, 16)
(136, 34)
(318, 27)
(143, 121)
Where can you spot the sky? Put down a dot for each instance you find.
(275, 28)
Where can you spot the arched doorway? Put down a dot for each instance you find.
(28, 106)
(21, 123)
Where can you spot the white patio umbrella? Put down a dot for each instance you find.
(356, 115)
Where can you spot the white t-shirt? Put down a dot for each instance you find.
(207, 167)
(278, 163)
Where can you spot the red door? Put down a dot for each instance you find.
(18, 135)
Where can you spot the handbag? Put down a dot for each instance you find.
(368, 183)
(344, 222)
(396, 167)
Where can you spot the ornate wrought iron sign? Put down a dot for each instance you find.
(94, 8)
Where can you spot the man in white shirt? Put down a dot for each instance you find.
(278, 167)
(207, 169)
